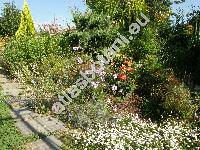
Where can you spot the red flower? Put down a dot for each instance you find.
(123, 68)
(127, 62)
(129, 69)
(122, 76)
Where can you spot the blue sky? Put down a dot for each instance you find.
(44, 11)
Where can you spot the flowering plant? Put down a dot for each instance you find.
(122, 75)
(134, 133)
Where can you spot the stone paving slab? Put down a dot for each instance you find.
(33, 123)
(29, 122)
(22, 113)
(11, 89)
(3, 80)
(49, 143)
(18, 103)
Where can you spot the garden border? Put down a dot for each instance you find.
(109, 54)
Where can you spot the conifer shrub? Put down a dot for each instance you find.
(26, 27)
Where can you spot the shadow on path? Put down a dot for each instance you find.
(42, 136)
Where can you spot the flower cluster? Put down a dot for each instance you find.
(51, 28)
(134, 133)
(122, 75)
(125, 68)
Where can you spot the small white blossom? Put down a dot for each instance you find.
(95, 84)
(115, 76)
(79, 60)
(140, 134)
(76, 48)
(114, 88)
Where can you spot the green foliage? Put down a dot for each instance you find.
(31, 49)
(48, 78)
(9, 20)
(146, 44)
(150, 87)
(150, 80)
(87, 114)
(70, 144)
(47, 64)
(90, 21)
(164, 95)
(94, 32)
(122, 11)
(88, 108)
(178, 100)
(182, 48)
(42, 65)
(26, 27)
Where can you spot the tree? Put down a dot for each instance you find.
(26, 27)
(119, 10)
(9, 20)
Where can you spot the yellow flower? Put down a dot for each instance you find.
(118, 55)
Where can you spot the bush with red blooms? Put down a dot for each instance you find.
(122, 76)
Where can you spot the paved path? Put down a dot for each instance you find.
(27, 121)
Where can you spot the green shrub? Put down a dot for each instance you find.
(164, 95)
(87, 114)
(88, 109)
(178, 100)
(31, 49)
(48, 78)
(9, 20)
(120, 11)
(70, 40)
(90, 21)
(181, 51)
(93, 33)
(41, 65)
(150, 87)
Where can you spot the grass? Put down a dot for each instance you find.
(10, 136)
